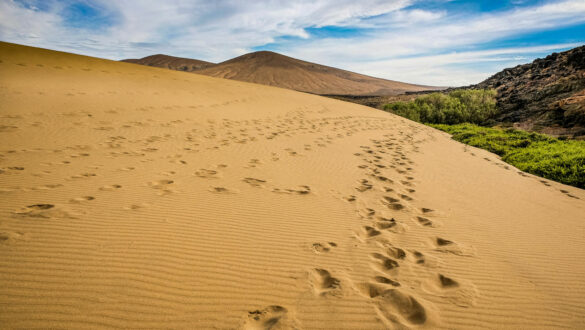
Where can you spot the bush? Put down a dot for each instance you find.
(459, 106)
(538, 154)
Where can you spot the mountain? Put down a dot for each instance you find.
(269, 68)
(547, 95)
(171, 62)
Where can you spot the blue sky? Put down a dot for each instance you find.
(433, 42)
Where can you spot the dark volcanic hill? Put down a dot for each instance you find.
(269, 68)
(171, 62)
(547, 95)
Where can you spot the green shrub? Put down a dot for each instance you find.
(459, 106)
(551, 158)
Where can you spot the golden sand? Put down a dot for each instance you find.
(137, 197)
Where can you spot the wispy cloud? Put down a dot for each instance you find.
(457, 68)
(431, 42)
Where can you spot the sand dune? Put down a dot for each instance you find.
(137, 197)
(273, 69)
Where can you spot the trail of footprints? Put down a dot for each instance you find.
(389, 174)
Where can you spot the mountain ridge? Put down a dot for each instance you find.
(170, 62)
(274, 69)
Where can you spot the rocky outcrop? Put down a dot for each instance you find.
(547, 95)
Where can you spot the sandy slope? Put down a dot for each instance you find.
(137, 197)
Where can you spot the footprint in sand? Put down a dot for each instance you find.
(207, 174)
(325, 284)
(397, 307)
(385, 223)
(424, 221)
(16, 168)
(366, 212)
(163, 185)
(392, 203)
(254, 182)
(350, 198)
(44, 211)
(443, 242)
(364, 185)
(323, 247)
(422, 260)
(8, 128)
(83, 175)
(271, 317)
(396, 252)
(134, 207)
(447, 246)
(160, 184)
(383, 179)
(385, 263)
(222, 190)
(253, 163)
(385, 280)
(48, 186)
(369, 232)
(10, 237)
(568, 194)
(110, 187)
(461, 293)
(79, 200)
(302, 190)
(446, 282)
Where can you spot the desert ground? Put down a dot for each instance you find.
(139, 197)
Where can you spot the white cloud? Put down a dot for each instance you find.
(398, 41)
(449, 69)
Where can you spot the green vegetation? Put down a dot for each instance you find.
(458, 106)
(551, 158)
(456, 113)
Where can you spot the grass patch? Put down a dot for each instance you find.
(458, 106)
(538, 154)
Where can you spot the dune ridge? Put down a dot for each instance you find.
(137, 197)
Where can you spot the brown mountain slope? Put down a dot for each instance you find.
(171, 62)
(274, 69)
(547, 95)
(269, 68)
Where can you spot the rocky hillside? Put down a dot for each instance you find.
(547, 95)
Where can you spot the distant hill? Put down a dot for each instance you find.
(547, 95)
(171, 62)
(269, 68)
